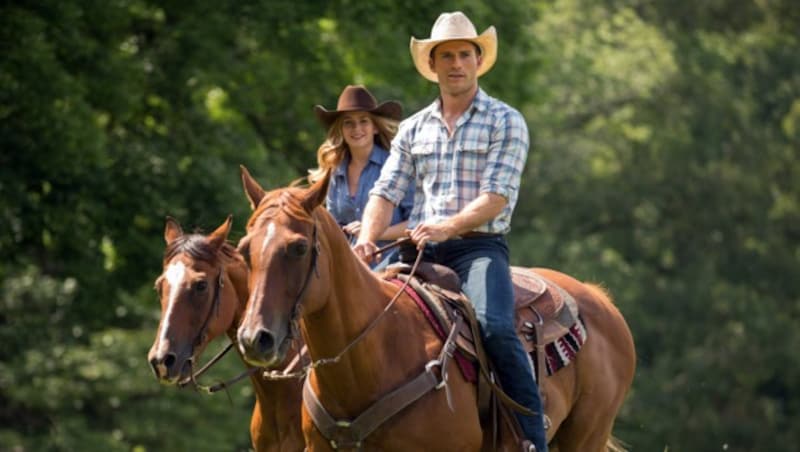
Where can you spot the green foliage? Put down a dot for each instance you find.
(665, 140)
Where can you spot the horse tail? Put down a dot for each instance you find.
(601, 293)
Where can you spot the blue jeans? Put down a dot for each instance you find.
(483, 265)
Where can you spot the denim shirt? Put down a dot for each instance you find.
(346, 209)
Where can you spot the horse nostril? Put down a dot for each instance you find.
(169, 360)
(161, 365)
(264, 341)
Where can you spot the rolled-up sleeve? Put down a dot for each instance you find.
(508, 152)
(397, 174)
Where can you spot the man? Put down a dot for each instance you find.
(464, 154)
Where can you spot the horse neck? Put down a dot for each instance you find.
(354, 298)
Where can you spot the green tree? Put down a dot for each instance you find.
(665, 140)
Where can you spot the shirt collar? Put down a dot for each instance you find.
(377, 156)
(479, 103)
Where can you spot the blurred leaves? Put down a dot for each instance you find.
(663, 165)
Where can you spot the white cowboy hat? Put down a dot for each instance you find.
(454, 27)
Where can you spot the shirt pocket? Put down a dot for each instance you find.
(471, 162)
(426, 159)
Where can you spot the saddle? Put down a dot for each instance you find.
(544, 311)
(544, 315)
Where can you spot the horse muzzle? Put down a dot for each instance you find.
(169, 367)
(260, 347)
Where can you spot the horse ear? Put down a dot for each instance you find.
(220, 235)
(172, 230)
(253, 191)
(316, 194)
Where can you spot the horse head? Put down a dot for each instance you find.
(197, 301)
(282, 248)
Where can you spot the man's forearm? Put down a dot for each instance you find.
(395, 231)
(480, 211)
(376, 218)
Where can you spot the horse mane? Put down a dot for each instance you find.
(197, 247)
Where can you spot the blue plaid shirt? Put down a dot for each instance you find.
(486, 154)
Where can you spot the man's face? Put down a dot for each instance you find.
(456, 64)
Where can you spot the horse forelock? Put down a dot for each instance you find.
(197, 247)
(286, 200)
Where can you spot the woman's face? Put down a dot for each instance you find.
(359, 131)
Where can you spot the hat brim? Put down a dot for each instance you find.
(421, 51)
(389, 109)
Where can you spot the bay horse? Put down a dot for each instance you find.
(367, 340)
(203, 291)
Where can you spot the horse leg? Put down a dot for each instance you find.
(582, 437)
(601, 391)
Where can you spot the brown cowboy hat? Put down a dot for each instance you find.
(358, 98)
(454, 26)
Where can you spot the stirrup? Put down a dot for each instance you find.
(528, 446)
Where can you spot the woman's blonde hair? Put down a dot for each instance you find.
(332, 151)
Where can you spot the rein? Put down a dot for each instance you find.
(397, 242)
(273, 374)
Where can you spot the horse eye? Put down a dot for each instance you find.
(200, 286)
(297, 249)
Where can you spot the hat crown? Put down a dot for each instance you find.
(356, 97)
(452, 26)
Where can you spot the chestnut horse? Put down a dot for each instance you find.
(366, 340)
(203, 291)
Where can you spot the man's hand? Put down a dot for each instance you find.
(365, 250)
(424, 233)
(353, 228)
(376, 218)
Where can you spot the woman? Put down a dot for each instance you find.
(359, 135)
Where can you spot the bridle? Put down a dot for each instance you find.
(287, 373)
(213, 310)
(275, 375)
(312, 269)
